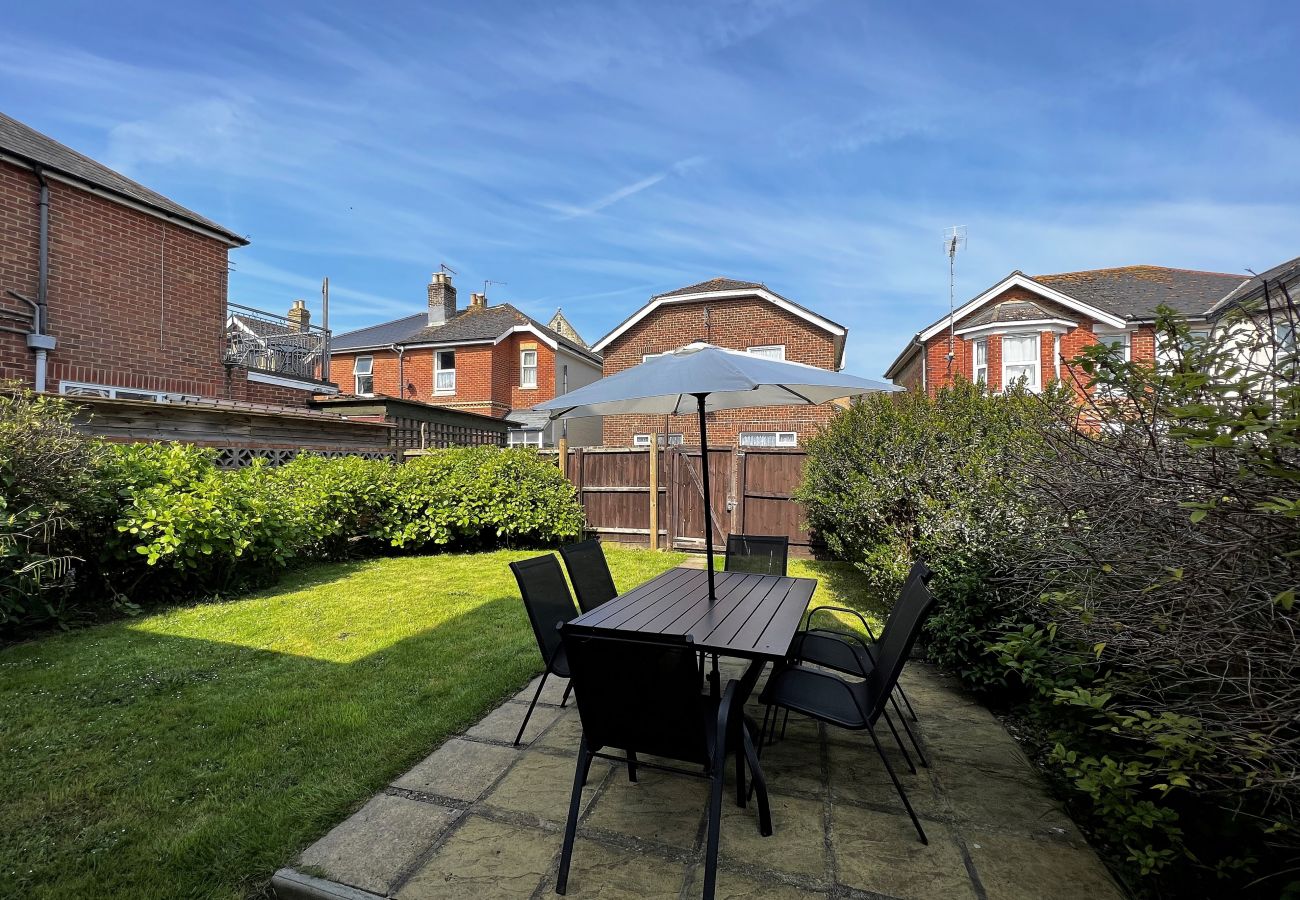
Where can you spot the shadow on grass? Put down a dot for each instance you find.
(147, 764)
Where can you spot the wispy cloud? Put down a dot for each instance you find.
(628, 190)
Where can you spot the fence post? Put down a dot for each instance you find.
(564, 456)
(654, 491)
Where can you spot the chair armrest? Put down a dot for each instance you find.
(844, 609)
(845, 636)
(724, 722)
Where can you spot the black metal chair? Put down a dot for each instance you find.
(589, 573)
(847, 652)
(640, 695)
(549, 604)
(760, 553)
(858, 706)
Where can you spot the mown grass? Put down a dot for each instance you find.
(193, 752)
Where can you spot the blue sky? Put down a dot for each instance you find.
(592, 154)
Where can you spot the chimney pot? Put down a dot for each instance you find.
(478, 301)
(442, 298)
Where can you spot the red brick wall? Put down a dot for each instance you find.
(737, 324)
(133, 301)
(487, 376)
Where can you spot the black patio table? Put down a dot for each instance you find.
(754, 617)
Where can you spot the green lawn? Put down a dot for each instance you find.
(193, 752)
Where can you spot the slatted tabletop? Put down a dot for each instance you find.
(754, 616)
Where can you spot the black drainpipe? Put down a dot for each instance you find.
(43, 275)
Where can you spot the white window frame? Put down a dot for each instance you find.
(1034, 384)
(640, 440)
(768, 351)
(111, 392)
(525, 368)
(780, 439)
(979, 372)
(646, 357)
(441, 385)
(368, 374)
(524, 437)
(643, 440)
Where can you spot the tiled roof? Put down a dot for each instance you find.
(1249, 289)
(33, 147)
(468, 325)
(713, 284)
(1010, 311)
(1136, 291)
(380, 335)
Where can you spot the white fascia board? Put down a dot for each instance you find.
(282, 381)
(1016, 279)
(389, 347)
(1057, 325)
(527, 329)
(779, 302)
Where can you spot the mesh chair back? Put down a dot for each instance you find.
(640, 694)
(919, 572)
(896, 641)
(764, 554)
(547, 599)
(589, 573)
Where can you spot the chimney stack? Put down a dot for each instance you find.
(478, 301)
(442, 298)
(299, 316)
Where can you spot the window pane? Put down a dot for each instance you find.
(776, 351)
(364, 365)
(640, 440)
(758, 438)
(528, 369)
(981, 353)
(1019, 349)
(365, 384)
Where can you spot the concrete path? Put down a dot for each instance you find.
(481, 819)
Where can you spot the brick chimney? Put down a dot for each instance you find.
(478, 301)
(442, 298)
(299, 316)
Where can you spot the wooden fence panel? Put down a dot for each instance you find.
(751, 492)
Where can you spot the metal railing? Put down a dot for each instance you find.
(275, 344)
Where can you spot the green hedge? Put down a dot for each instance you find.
(89, 528)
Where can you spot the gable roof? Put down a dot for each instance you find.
(468, 326)
(31, 149)
(1134, 292)
(1009, 312)
(727, 289)
(1253, 287)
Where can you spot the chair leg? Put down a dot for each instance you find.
(759, 786)
(571, 826)
(541, 684)
(899, 741)
(898, 786)
(741, 792)
(567, 691)
(784, 722)
(910, 736)
(762, 731)
(715, 826)
(906, 702)
(716, 677)
(631, 766)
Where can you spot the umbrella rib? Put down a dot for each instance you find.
(797, 394)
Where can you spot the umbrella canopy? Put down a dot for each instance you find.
(702, 378)
(670, 384)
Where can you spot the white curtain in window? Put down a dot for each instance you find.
(1020, 360)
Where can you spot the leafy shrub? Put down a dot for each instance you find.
(477, 496)
(895, 478)
(47, 496)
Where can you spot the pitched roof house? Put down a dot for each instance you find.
(492, 360)
(1030, 327)
(109, 289)
(741, 315)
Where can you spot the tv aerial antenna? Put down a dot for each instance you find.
(954, 239)
(487, 281)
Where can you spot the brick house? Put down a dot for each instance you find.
(740, 315)
(491, 360)
(1031, 327)
(111, 290)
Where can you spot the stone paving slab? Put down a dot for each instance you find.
(481, 819)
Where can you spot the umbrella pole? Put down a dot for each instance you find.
(708, 511)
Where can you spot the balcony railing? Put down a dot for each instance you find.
(277, 345)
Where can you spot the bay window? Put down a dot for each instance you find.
(980, 362)
(1021, 359)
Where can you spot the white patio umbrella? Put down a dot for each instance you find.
(702, 378)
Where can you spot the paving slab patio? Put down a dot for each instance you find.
(482, 819)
